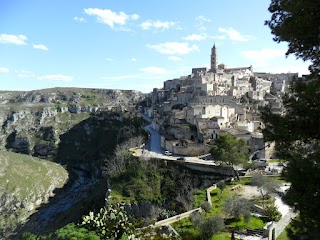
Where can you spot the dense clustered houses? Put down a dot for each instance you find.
(191, 111)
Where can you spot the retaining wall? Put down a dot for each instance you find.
(177, 217)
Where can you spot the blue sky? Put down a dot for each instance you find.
(131, 44)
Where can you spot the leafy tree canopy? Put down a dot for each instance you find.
(230, 149)
(297, 22)
(297, 130)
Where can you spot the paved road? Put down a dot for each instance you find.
(155, 144)
(154, 149)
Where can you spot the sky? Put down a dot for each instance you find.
(131, 44)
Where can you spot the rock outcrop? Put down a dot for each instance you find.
(32, 122)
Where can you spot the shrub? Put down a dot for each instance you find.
(196, 218)
(237, 207)
(212, 226)
(271, 211)
(111, 222)
(206, 206)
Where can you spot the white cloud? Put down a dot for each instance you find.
(4, 70)
(195, 37)
(133, 59)
(203, 19)
(157, 25)
(13, 39)
(40, 46)
(234, 34)
(25, 74)
(109, 17)
(57, 77)
(80, 19)
(262, 57)
(134, 16)
(153, 70)
(109, 59)
(174, 58)
(172, 48)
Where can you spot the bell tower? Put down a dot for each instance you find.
(214, 59)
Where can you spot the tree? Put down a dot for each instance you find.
(206, 206)
(265, 185)
(211, 226)
(272, 212)
(221, 185)
(297, 22)
(115, 164)
(297, 131)
(230, 150)
(197, 219)
(207, 226)
(237, 207)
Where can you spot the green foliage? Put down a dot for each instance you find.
(186, 230)
(272, 212)
(206, 227)
(200, 196)
(140, 181)
(72, 231)
(23, 179)
(196, 218)
(110, 222)
(221, 185)
(265, 184)
(296, 22)
(230, 149)
(206, 206)
(296, 132)
(191, 229)
(212, 226)
(96, 137)
(242, 223)
(237, 207)
(221, 236)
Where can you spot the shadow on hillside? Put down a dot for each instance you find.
(82, 151)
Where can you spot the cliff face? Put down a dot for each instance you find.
(25, 183)
(32, 122)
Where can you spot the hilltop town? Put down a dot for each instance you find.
(191, 111)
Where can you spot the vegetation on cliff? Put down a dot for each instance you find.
(25, 183)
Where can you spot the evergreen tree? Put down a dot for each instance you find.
(230, 149)
(297, 130)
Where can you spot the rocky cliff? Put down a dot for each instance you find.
(33, 121)
(25, 183)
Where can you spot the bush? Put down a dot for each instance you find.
(111, 222)
(212, 226)
(271, 211)
(196, 219)
(206, 206)
(237, 207)
(72, 231)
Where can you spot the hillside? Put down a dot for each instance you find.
(76, 127)
(25, 183)
(32, 121)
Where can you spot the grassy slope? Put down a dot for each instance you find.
(29, 176)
